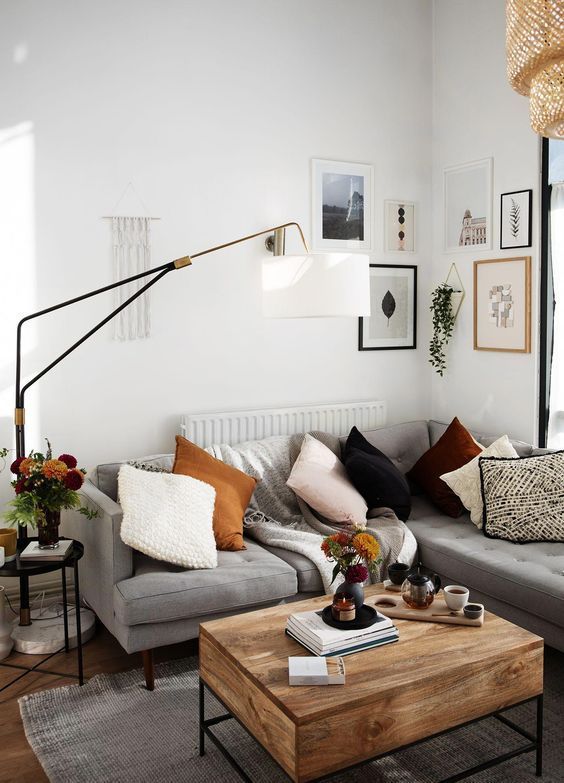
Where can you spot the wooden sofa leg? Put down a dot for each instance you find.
(149, 668)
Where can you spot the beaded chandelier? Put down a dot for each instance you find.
(535, 60)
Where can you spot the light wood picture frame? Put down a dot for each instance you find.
(502, 304)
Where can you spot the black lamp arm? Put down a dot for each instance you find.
(158, 271)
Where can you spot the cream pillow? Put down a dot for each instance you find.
(319, 477)
(168, 517)
(465, 482)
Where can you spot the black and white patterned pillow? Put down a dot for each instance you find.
(524, 497)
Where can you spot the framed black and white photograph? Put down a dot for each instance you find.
(468, 206)
(341, 205)
(392, 323)
(399, 227)
(516, 219)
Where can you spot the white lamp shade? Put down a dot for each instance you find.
(316, 285)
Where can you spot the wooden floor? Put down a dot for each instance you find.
(102, 654)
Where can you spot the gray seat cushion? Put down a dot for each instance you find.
(159, 592)
(530, 576)
(309, 578)
(403, 444)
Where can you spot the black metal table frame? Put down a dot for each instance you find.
(28, 669)
(534, 740)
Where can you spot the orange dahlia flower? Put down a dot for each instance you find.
(54, 468)
(366, 546)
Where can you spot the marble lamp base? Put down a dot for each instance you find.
(46, 635)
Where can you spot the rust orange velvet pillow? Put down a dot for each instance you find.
(233, 489)
(454, 449)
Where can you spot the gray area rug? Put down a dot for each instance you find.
(113, 730)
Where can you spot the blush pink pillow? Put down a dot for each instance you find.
(319, 477)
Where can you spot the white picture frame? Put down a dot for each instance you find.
(399, 226)
(467, 192)
(342, 205)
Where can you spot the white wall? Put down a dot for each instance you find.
(213, 110)
(477, 115)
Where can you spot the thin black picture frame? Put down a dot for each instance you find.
(361, 346)
(529, 222)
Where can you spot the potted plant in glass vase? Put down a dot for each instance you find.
(44, 486)
(356, 554)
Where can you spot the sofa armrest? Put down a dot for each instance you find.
(107, 560)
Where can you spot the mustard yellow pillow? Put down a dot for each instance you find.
(233, 491)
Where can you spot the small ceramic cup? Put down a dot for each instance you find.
(397, 573)
(456, 597)
(473, 611)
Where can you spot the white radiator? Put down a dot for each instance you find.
(232, 427)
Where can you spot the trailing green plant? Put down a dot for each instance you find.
(443, 324)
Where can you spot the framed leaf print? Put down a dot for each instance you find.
(392, 323)
(516, 219)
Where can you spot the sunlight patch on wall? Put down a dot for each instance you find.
(17, 254)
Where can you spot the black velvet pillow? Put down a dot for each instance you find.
(375, 476)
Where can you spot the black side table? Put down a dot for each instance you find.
(26, 568)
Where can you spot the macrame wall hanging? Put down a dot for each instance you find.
(131, 254)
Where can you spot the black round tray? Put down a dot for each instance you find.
(365, 617)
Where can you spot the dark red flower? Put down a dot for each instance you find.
(356, 573)
(20, 486)
(15, 466)
(69, 460)
(73, 479)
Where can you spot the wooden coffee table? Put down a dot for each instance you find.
(435, 679)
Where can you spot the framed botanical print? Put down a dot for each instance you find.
(392, 323)
(502, 305)
(468, 206)
(341, 205)
(516, 222)
(399, 227)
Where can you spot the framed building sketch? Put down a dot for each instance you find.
(502, 305)
(516, 221)
(392, 323)
(468, 206)
(341, 205)
(399, 227)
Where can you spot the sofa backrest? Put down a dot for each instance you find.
(105, 476)
(403, 444)
(437, 428)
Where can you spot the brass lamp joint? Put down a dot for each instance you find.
(180, 262)
(19, 417)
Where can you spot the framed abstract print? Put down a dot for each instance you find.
(502, 305)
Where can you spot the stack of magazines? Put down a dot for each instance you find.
(309, 629)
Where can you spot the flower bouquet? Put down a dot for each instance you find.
(43, 487)
(355, 554)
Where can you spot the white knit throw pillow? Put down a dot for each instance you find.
(168, 517)
(465, 482)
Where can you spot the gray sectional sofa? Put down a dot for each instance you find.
(146, 603)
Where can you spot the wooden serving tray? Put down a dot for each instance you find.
(395, 607)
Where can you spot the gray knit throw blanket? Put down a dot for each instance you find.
(278, 518)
